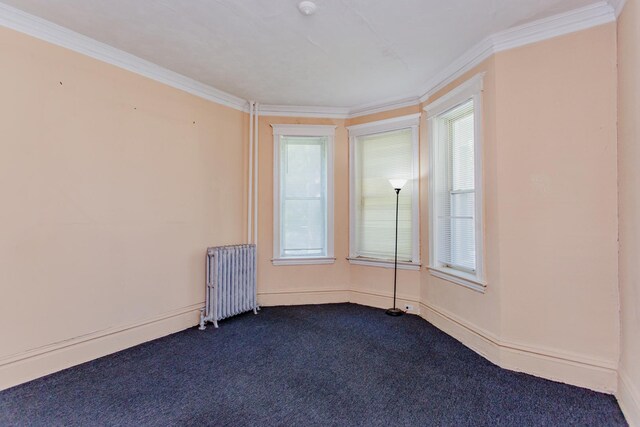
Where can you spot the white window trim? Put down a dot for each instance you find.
(372, 262)
(398, 123)
(280, 130)
(471, 89)
(303, 261)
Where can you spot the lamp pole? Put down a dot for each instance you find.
(397, 186)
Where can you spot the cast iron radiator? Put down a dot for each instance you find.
(231, 283)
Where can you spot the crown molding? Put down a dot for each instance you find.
(303, 111)
(617, 6)
(462, 92)
(557, 25)
(337, 112)
(543, 29)
(23, 22)
(461, 65)
(380, 107)
(593, 15)
(598, 13)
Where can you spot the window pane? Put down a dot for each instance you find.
(304, 231)
(455, 198)
(380, 157)
(303, 167)
(303, 210)
(462, 175)
(463, 240)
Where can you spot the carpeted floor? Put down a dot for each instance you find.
(339, 365)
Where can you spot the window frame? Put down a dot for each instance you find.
(469, 90)
(284, 130)
(412, 122)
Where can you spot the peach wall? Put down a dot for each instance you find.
(443, 297)
(551, 221)
(629, 208)
(557, 174)
(112, 187)
(304, 283)
(339, 282)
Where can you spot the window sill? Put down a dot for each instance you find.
(303, 261)
(371, 262)
(467, 280)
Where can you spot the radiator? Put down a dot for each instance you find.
(231, 283)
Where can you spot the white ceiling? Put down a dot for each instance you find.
(350, 53)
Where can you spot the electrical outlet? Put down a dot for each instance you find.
(408, 307)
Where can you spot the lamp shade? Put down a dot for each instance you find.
(397, 183)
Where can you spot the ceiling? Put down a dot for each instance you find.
(350, 53)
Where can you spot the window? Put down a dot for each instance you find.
(303, 194)
(455, 196)
(381, 151)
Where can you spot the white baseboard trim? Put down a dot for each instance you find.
(598, 375)
(629, 399)
(29, 365)
(480, 341)
(331, 296)
(302, 297)
(574, 369)
(379, 300)
(568, 368)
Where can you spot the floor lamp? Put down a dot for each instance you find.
(397, 185)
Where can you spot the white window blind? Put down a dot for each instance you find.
(455, 204)
(303, 196)
(456, 241)
(379, 157)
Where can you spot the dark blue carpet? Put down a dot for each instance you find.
(339, 365)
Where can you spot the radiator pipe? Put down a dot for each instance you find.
(207, 297)
(250, 192)
(256, 126)
(256, 116)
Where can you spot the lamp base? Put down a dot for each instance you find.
(394, 312)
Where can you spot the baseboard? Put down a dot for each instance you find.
(29, 365)
(598, 375)
(629, 399)
(570, 369)
(480, 341)
(379, 300)
(331, 296)
(302, 297)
